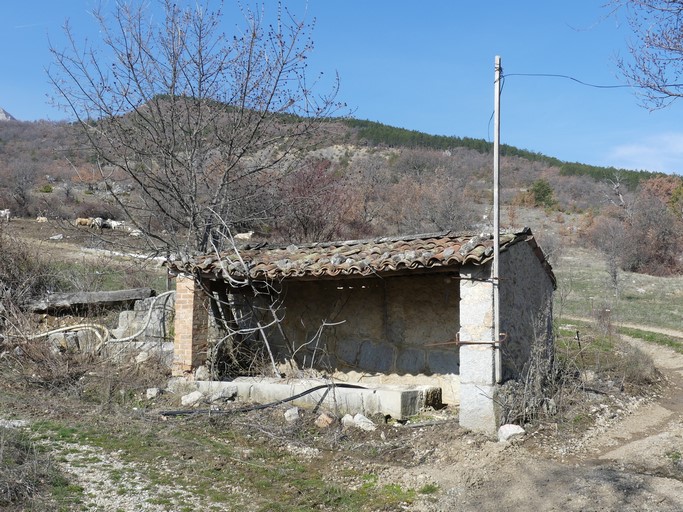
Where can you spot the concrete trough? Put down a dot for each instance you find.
(399, 402)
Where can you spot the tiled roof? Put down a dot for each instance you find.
(355, 257)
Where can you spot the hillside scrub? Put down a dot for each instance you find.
(643, 235)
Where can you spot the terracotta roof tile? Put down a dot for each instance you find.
(355, 257)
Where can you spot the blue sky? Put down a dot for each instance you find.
(429, 66)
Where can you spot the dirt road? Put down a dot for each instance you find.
(630, 462)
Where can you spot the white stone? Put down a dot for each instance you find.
(142, 357)
(192, 398)
(153, 393)
(510, 432)
(202, 373)
(13, 423)
(364, 423)
(347, 421)
(292, 415)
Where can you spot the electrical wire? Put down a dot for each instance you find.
(567, 77)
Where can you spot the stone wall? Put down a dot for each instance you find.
(525, 318)
(394, 330)
(152, 321)
(526, 301)
(478, 408)
(157, 329)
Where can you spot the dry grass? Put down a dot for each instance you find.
(584, 288)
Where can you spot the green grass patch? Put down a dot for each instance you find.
(429, 489)
(674, 456)
(654, 337)
(206, 462)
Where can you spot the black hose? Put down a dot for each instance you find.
(261, 406)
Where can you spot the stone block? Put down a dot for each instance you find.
(397, 401)
(375, 357)
(348, 351)
(325, 420)
(444, 362)
(192, 399)
(410, 360)
(477, 364)
(479, 410)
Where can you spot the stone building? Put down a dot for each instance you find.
(409, 310)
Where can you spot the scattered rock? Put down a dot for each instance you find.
(223, 394)
(192, 399)
(142, 357)
(510, 432)
(153, 393)
(364, 423)
(13, 423)
(305, 452)
(325, 420)
(347, 421)
(292, 415)
(202, 373)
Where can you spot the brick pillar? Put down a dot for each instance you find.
(479, 409)
(191, 326)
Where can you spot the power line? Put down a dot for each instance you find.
(567, 77)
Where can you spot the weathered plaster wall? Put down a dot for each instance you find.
(525, 308)
(390, 327)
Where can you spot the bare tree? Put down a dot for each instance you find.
(186, 122)
(21, 182)
(657, 49)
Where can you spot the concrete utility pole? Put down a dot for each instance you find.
(496, 221)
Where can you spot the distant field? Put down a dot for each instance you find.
(583, 286)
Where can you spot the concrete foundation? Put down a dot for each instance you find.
(399, 402)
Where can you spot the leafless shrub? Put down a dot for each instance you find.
(24, 471)
(40, 363)
(23, 273)
(111, 383)
(632, 366)
(602, 316)
(584, 367)
(528, 397)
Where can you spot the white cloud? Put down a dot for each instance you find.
(661, 153)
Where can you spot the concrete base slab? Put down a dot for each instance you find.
(400, 402)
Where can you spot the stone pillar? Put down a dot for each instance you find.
(479, 410)
(191, 326)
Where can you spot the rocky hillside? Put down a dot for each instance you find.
(6, 116)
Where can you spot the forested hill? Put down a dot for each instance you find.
(378, 134)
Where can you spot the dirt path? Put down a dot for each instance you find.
(649, 328)
(631, 462)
